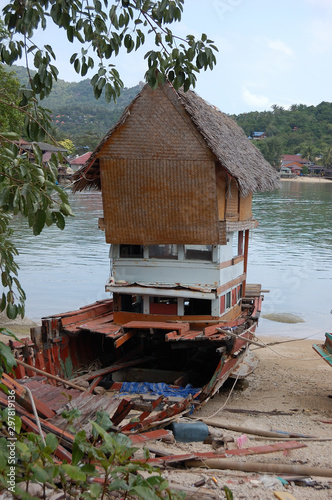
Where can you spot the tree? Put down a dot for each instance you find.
(68, 145)
(29, 188)
(327, 156)
(309, 152)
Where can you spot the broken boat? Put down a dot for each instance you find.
(177, 178)
(325, 350)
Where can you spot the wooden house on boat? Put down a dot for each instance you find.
(177, 178)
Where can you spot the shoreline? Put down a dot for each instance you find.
(299, 178)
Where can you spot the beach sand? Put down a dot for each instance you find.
(299, 178)
(292, 379)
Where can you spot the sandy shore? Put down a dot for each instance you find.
(289, 391)
(299, 178)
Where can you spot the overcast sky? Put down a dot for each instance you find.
(270, 52)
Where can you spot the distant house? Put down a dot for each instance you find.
(79, 161)
(286, 159)
(46, 149)
(286, 172)
(295, 167)
(258, 136)
(319, 170)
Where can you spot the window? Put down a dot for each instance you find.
(131, 251)
(238, 244)
(132, 303)
(222, 304)
(239, 292)
(198, 252)
(228, 300)
(197, 307)
(163, 252)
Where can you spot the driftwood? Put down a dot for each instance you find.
(261, 467)
(194, 493)
(257, 412)
(249, 430)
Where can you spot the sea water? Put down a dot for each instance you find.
(290, 254)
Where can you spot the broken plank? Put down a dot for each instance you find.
(23, 397)
(122, 411)
(112, 368)
(50, 376)
(126, 336)
(60, 451)
(151, 436)
(143, 416)
(253, 450)
(144, 325)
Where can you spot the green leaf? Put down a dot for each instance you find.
(74, 472)
(60, 220)
(144, 492)
(11, 310)
(40, 474)
(51, 442)
(7, 357)
(39, 223)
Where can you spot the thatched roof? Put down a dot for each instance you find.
(237, 155)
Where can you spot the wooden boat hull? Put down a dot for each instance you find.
(161, 356)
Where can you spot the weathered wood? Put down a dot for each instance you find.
(23, 397)
(122, 411)
(261, 467)
(160, 434)
(60, 451)
(112, 368)
(194, 493)
(241, 452)
(249, 430)
(50, 376)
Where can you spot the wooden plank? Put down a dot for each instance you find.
(122, 410)
(283, 495)
(126, 336)
(23, 397)
(89, 312)
(254, 450)
(150, 436)
(112, 368)
(182, 327)
(60, 452)
(143, 416)
(51, 376)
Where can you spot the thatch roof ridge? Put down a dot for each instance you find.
(228, 142)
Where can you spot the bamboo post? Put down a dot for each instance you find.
(261, 467)
(48, 375)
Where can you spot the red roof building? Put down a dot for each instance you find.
(78, 162)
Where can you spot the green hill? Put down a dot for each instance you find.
(78, 116)
(301, 129)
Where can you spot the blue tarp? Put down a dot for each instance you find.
(157, 389)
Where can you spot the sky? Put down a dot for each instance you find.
(270, 52)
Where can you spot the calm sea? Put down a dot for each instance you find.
(290, 254)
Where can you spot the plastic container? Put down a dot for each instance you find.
(187, 433)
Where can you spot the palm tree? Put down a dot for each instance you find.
(327, 157)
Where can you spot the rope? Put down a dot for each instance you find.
(35, 414)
